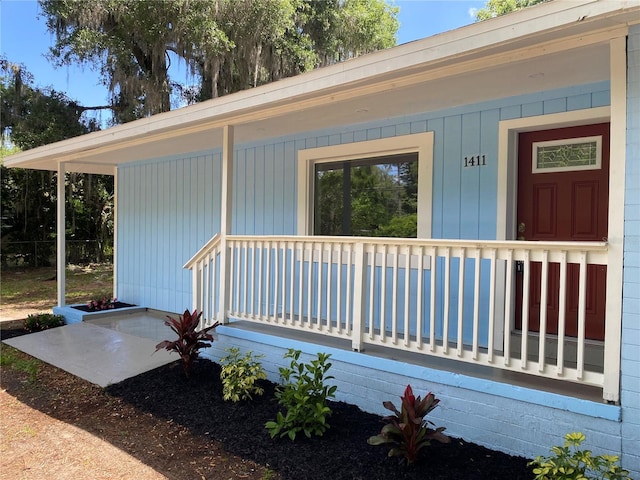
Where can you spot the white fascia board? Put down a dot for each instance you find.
(525, 27)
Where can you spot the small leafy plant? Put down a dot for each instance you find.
(570, 463)
(407, 431)
(304, 396)
(103, 302)
(240, 374)
(42, 321)
(190, 339)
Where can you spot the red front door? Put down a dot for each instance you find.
(564, 196)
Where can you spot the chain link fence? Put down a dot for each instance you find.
(43, 253)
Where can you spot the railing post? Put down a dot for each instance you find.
(358, 298)
(195, 290)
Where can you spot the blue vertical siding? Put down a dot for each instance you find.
(469, 176)
(488, 181)
(168, 208)
(630, 381)
(166, 211)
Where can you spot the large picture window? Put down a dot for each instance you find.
(375, 188)
(373, 197)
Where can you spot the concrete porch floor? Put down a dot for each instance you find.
(104, 350)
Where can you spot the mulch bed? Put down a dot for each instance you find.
(182, 428)
(115, 306)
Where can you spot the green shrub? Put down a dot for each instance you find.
(240, 374)
(407, 431)
(304, 397)
(42, 321)
(570, 463)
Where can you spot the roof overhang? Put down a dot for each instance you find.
(552, 45)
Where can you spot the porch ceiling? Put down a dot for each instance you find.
(526, 52)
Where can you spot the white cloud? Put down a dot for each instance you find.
(473, 12)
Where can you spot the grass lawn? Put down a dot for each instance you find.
(35, 289)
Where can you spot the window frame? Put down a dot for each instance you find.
(567, 141)
(420, 143)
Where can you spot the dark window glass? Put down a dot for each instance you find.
(372, 197)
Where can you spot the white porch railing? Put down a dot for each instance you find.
(452, 299)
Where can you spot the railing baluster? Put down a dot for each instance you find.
(301, 285)
(266, 278)
(273, 251)
(247, 274)
(234, 295)
(258, 252)
(492, 304)
(294, 253)
(319, 291)
(372, 260)
(383, 290)
(459, 340)
(526, 286)
(394, 297)
(562, 313)
(509, 293)
(329, 284)
(542, 329)
(407, 288)
(282, 246)
(447, 301)
(338, 293)
(432, 307)
(216, 284)
(476, 304)
(419, 297)
(310, 285)
(582, 310)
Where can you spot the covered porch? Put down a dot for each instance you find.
(441, 299)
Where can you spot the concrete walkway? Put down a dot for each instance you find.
(100, 354)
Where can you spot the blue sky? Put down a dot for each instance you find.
(24, 39)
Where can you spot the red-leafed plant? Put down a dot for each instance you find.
(190, 339)
(407, 431)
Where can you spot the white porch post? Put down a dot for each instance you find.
(115, 232)
(613, 315)
(61, 255)
(225, 222)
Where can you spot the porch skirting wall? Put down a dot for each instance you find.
(512, 419)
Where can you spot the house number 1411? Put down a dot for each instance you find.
(475, 161)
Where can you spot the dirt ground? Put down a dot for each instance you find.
(58, 426)
(10, 313)
(34, 445)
